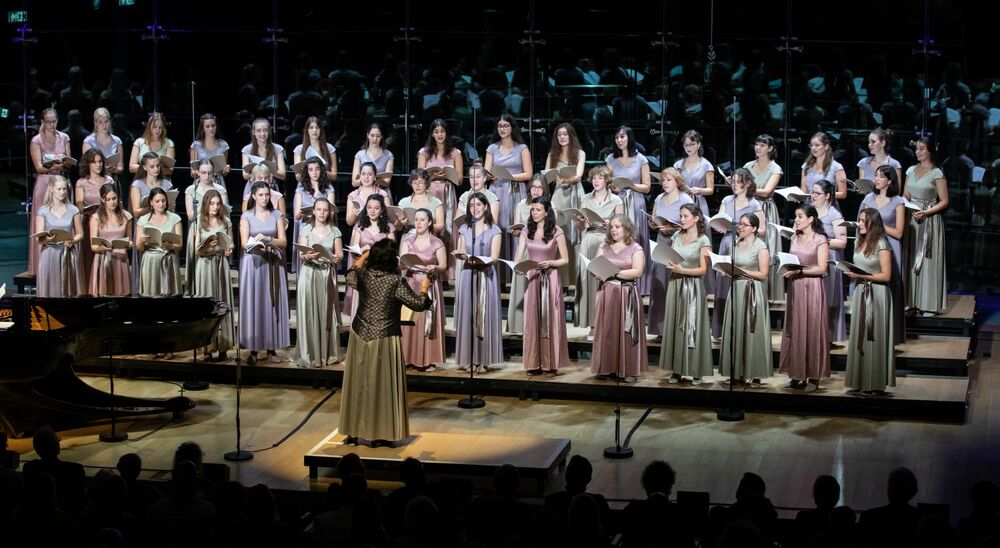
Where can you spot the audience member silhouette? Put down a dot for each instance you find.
(579, 472)
(68, 476)
(645, 521)
(183, 517)
(894, 524)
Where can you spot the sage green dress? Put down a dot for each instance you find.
(775, 283)
(317, 332)
(927, 287)
(196, 193)
(564, 196)
(160, 273)
(687, 342)
(212, 279)
(871, 359)
(752, 335)
(515, 304)
(591, 240)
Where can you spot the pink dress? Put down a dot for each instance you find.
(619, 330)
(91, 196)
(38, 192)
(545, 345)
(445, 191)
(423, 342)
(350, 294)
(110, 275)
(805, 342)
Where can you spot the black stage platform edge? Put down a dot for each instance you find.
(662, 395)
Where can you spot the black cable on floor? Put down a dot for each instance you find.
(301, 424)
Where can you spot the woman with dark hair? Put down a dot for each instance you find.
(477, 183)
(522, 214)
(109, 275)
(926, 187)
(359, 196)
(318, 339)
(626, 161)
(687, 343)
(820, 166)
(698, 172)
(423, 342)
(767, 174)
(603, 202)
(193, 197)
(49, 145)
(871, 358)
(438, 152)
(160, 273)
(314, 185)
(373, 151)
(263, 148)
(207, 144)
(620, 341)
(477, 301)
(567, 191)
(751, 341)
(263, 283)
(805, 341)
(878, 143)
(314, 145)
(373, 398)
(741, 202)
(545, 345)
(154, 139)
(836, 234)
(88, 199)
(372, 226)
(59, 262)
(211, 270)
(891, 206)
(507, 150)
(148, 177)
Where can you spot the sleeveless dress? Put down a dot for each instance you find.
(545, 343)
(726, 248)
(369, 239)
(927, 287)
(91, 196)
(619, 340)
(57, 149)
(316, 309)
(871, 359)
(58, 265)
(635, 204)
(687, 343)
(752, 337)
(591, 239)
(834, 283)
(160, 274)
(477, 336)
(888, 213)
(263, 321)
(109, 274)
(196, 193)
(212, 279)
(565, 196)
(659, 275)
(775, 285)
(423, 342)
(805, 341)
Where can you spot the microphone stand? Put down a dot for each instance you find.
(238, 455)
(112, 436)
(732, 412)
(472, 402)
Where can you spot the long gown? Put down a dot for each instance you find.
(190, 259)
(659, 275)
(813, 176)
(58, 265)
(927, 287)
(212, 279)
(423, 342)
(446, 193)
(91, 196)
(202, 153)
(591, 240)
(108, 150)
(871, 359)
(369, 239)
(57, 149)
(752, 337)
(144, 190)
(834, 284)
(515, 300)
(478, 338)
(109, 275)
(509, 192)
(565, 196)
(635, 204)
(722, 285)
(805, 341)
(263, 317)
(160, 274)
(687, 343)
(373, 397)
(318, 321)
(775, 285)
(696, 179)
(545, 343)
(619, 341)
(307, 199)
(896, 289)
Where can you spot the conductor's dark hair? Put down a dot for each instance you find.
(382, 256)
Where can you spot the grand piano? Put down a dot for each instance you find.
(41, 339)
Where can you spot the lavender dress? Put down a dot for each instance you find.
(722, 283)
(696, 179)
(477, 338)
(834, 282)
(381, 163)
(659, 275)
(814, 176)
(888, 213)
(866, 171)
(202, 153)
(57, 149)
(263, 290)
(635, 204)
(58, 265)
(509, 192)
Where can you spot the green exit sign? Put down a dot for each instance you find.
(126, 2)
(4, 113)
(20, 16)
